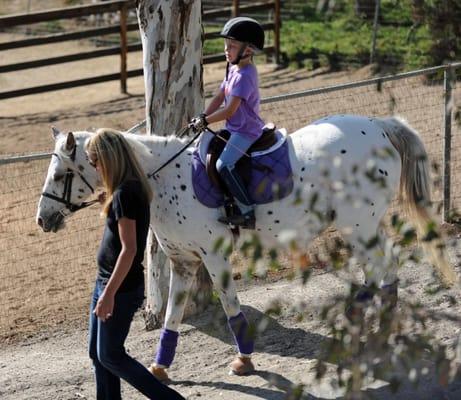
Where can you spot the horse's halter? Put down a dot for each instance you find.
(67, 191)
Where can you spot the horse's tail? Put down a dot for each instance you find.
(414, 192)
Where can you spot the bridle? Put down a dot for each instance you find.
(67, 191)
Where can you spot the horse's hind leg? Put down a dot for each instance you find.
(376, 254)
(221, 274)
(181, 279)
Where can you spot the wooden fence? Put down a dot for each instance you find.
(123, 27)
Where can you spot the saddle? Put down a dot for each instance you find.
(267, 174)
(244, 165)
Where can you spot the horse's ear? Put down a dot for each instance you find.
(70, 142)
(55, 131)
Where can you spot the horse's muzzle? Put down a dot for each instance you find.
(53, 223)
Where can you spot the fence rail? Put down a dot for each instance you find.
(122, 7)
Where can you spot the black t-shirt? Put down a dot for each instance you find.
(130, 202)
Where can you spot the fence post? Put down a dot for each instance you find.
(448, 85)
(235, 8)
(375, 31)
(277, 23)
(123, 47)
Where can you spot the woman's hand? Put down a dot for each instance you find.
(102, 197)
(104, 307)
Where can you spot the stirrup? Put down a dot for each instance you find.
(244, 221)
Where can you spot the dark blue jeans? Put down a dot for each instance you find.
(110, 360)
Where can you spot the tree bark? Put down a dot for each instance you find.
(171, 34)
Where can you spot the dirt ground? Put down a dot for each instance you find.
(53, 364)
(56, 366)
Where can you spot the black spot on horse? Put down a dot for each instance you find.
(332, 215)
(183, 188)
(303, 169)
(381, 171)
(300, 178)
(81, 168)
(177, 165)
(343, 151)
(203, 251)
(178, 176)
(363, 133)
(270, 212)
(277, 221)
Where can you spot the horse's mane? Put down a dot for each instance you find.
(138, 146)
(141, 143)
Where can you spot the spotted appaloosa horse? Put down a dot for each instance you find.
(352, 165)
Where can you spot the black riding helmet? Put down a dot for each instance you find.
(246, 30)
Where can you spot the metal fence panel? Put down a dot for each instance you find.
(41, 274)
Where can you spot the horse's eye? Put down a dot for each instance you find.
(58, 177)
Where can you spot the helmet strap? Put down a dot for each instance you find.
(240, 56)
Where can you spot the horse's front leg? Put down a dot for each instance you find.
(220, 271)
(182, 276)
(158, 275)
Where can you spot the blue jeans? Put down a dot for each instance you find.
(237, 144)
(235, 149)
(110, 360)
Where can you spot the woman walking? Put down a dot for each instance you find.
(119, 289)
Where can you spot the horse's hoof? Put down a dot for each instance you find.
(159, 373)
(241, 366)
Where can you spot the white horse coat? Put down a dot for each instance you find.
(346, 170)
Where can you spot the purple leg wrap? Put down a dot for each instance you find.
(167, 347)
(242, 335)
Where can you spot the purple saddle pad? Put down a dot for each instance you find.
(264, 185)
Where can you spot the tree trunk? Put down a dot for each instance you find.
(171, 34)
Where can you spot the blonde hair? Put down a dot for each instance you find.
(117, 162)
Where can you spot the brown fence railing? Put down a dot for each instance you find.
(123, 27)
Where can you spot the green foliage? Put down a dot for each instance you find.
(344, 38)
(340, 38)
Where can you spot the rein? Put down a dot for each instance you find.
(180, 134)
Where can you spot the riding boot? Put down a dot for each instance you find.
(246, 218)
